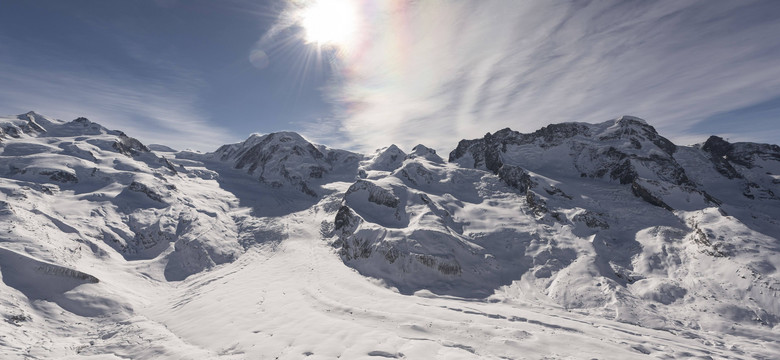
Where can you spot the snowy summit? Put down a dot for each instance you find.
(577, 240)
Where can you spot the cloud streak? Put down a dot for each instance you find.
(158, 104)
(439, 71)
(154, 112)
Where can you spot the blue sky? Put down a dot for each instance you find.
(197, 74)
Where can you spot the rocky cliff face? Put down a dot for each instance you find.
(745, 162)
(617, 150)
(626, 150)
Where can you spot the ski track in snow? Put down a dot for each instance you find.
(299, 299)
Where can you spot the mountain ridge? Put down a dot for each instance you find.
(610, 219)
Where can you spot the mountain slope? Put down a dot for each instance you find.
(610, 217)
(581, 232)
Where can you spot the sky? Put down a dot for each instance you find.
(363, 74)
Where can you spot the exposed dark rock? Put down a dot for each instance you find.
(355, 248)
(515, 177)
(486, 151)
(449, 269)
(129, 146)
(558, 192)
(716, 146)
(416, 174)
(52, 269)
(316, 172)
(616, 164)
(82, 120)
(139, 187)
(648, 196)
(624, 172)
(60, 176)
(444, 267)
(718, 150)
(392, 254)
(6, 208)
(18, 319)
(723, 154)
(346, 220)
(376, 194)
(168, 165)
(554, 134)
(591, 220)
(636, 130)
(702, 239)
(536, 203)
(11, 131)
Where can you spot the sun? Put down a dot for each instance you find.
(330, 22)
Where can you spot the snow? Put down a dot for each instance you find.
(193, 256)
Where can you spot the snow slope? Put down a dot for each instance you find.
(576, 241)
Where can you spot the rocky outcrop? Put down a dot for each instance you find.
(744, 161)
(614, 150)
(591, 220)
(642, 192)
(417, 174)
(25, 124)
(743, 154)
(617, 151)
(725, 155)
(142, 188)
(515, 177)
(6, 209)
(485, 152)
(60, 176)
(376, 194)
(129, 146)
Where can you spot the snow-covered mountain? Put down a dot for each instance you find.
(287, 159)
(517, 243)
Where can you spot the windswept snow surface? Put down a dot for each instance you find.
(577, 241)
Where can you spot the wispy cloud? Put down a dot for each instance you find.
(154, 112)
(157, 105)
(438, 71)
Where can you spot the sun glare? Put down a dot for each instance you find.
(330, 22)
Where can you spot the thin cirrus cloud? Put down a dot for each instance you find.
(155, 110)
(439, 71)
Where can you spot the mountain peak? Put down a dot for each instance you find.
(275, 137)
(630, 119)
(285, 158)
(425, 152)
(717, 146)
(27, 115)
(385, 159)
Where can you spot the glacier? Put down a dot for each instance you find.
(578, 240)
